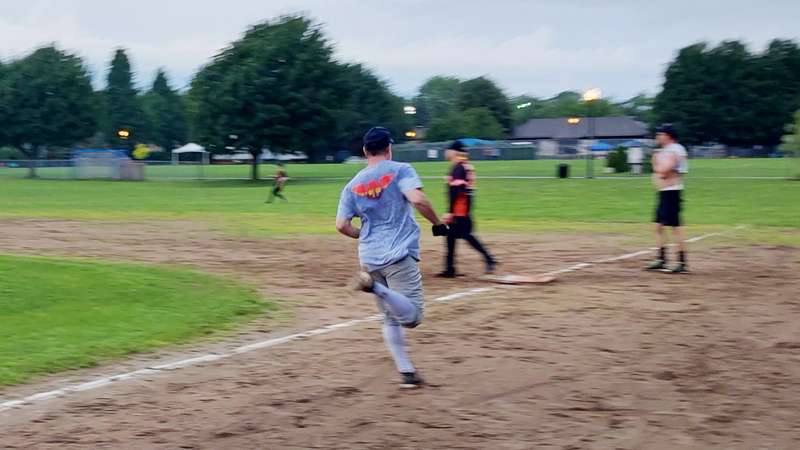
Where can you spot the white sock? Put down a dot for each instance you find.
(395, 340)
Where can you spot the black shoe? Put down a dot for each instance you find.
(658, 264)
(491, 266)
(446, 274)
(411, 381)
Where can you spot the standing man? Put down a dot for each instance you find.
(383, 196)
(635, 158)
(669, 165)
(460, 187)
(280, 180)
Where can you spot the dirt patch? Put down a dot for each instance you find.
(609, 357)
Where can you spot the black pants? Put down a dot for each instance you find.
(461, 228)
(276, 192)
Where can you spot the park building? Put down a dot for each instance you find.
(566, 136)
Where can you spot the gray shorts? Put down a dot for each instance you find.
(404, 278)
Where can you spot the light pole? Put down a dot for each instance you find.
(590, 96)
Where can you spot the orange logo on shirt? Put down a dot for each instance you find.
(373, 188)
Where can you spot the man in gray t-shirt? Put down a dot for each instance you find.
(383, 196)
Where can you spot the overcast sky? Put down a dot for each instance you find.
(539, 47)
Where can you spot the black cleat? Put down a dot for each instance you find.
(491, 267)
(411, 381)
(658, 264)
(446, 274)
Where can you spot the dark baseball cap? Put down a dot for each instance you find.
(667, 129)
(458, 146)
(377, 138)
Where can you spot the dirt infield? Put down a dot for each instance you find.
(609, 357)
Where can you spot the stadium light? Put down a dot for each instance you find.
(574, 120)
(592, 95)
(410, 110)
(411, 134)
(123, 134)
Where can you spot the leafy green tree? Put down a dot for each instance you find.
(727, 94)
(366, 101)
(525, 108)
(48, 102)
(437, 97)
(481, 123)
(565, 104)
(122, 108)
(279, 87)
(777, 90)
(482, 92)
(166, 114)
(450, 126)
(474, 122)
(685, 99)
(640, 107)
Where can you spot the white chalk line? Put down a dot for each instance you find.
(105, 381)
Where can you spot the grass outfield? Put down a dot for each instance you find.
(700, 168)
(57, 315)
(502, 204)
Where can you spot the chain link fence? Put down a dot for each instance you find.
(501, 159)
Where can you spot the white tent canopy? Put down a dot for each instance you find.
(189, 148)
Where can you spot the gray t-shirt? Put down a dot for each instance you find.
(389, 231)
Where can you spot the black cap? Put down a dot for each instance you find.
(377, 138)
(458, 146)
(668, 129)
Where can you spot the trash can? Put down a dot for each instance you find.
(563, 171)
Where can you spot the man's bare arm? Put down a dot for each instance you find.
(420, 201)
(345, 226)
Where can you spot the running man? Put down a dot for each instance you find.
(669, 165)
(383, 196)
(280, 180)
(461, 186)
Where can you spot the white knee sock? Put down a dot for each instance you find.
(398, 304)
(395, 340)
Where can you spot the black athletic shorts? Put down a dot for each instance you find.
(668, 211)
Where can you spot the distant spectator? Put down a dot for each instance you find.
(635, 159)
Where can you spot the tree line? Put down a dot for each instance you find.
(729, 95)
(280, 86)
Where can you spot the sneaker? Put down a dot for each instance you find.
(679, 268)
(362, 282)
(658, 264)
(411, 381)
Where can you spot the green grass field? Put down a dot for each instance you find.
(502, 204)
(57, 315)
(754, 167)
